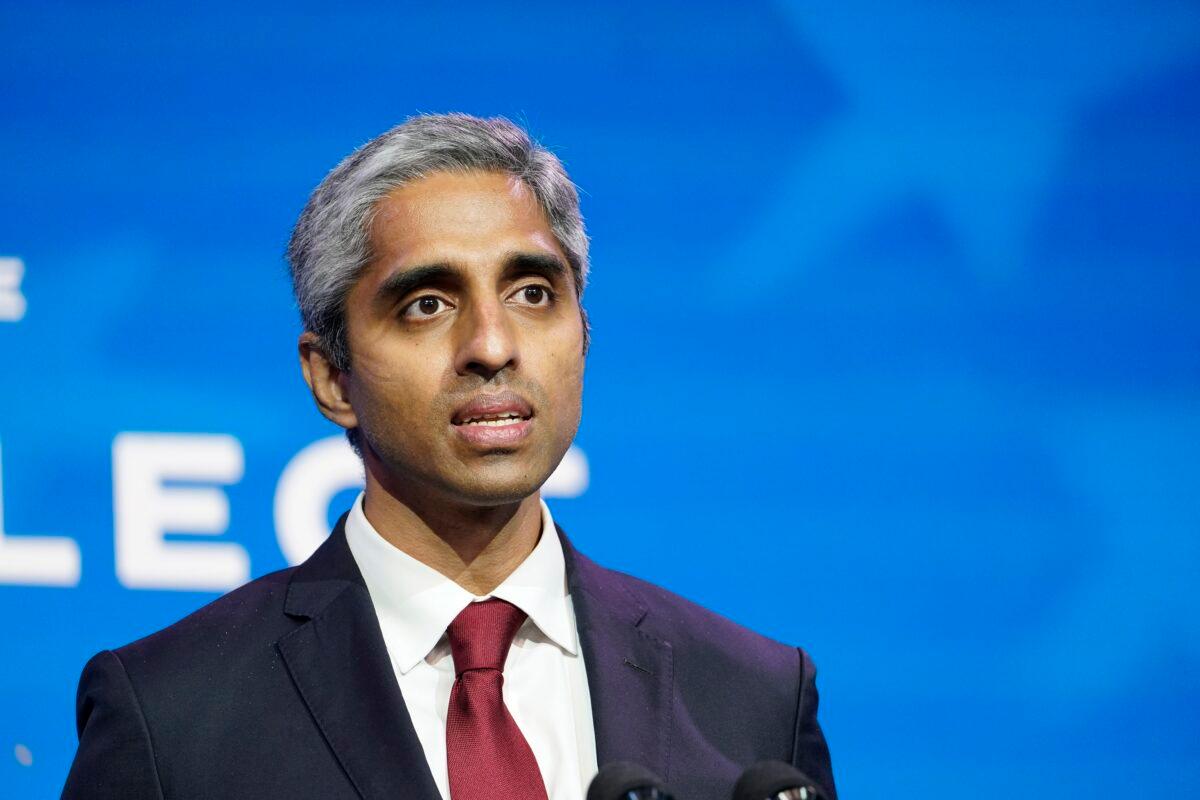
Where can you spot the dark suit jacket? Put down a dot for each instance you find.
(283, 688)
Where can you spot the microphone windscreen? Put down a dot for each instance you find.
(766, 779)
(619, 779)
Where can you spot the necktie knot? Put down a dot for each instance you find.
(482, 633)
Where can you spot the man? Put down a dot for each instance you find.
(447, 639)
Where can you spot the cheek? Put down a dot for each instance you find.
(568, 354)
(567, 385)
(390, 391)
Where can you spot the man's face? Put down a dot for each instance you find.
(466, 342)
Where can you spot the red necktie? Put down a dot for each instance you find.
(487, 757)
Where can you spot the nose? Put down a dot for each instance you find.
(487, 342)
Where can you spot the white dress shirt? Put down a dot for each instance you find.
(545, 685)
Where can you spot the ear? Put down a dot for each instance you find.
(326, 381)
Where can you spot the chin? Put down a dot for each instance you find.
(499, 483)
(496, 478)
(496, 492)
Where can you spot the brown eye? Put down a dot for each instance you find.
(427, 306)
(535, 295)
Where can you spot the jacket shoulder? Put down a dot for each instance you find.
(691, 627)
(245, 621)
(745, 697)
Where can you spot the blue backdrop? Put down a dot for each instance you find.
(896, 343)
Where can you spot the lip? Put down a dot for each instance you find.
(495, 435)
(494, 405)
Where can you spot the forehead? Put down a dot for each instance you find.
(459, 217)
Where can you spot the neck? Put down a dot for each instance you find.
(477, 547)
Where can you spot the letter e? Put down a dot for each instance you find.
(144, 509)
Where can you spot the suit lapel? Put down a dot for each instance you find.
(339, 663)
(629, 671)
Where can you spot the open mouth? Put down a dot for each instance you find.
(495, 420)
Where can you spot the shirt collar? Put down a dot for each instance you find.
(415, 603)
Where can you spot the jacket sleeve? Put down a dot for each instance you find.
(115, 758)
(810, 753)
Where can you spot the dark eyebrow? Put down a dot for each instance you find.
(544, 264)
(400, 284)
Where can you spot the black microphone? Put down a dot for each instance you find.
(624, 780)
(775, 780)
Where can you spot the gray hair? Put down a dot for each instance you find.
(330, 245)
